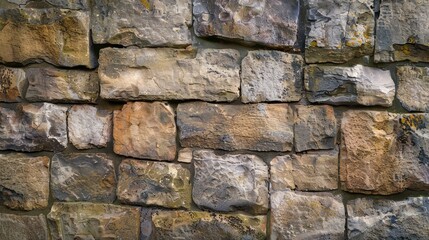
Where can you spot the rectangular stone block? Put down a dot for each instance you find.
(413, 87)
(259, 127)
(12, 82)
(169, 74)
(60, 37)
(20, 227)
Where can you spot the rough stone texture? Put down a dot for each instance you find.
(268, 76)
(56, 85)
(260, 127)
(154, 184)
(65, 4)
(169, 74)
(24, 181)
(296, 215)
(270, 23)
(386, 219)
(70, 221)
(402, 31)
(12, 81)
(413, 88)
(145, 130)
(59, 37)
(195, 225)
(185, 155)
(83, 177)
(316, 171)
(33, 127)
(338, 31)
(315, 128)
(142, 22)
(230, 182)
(16, 227)
(89, 127)
(349, 85)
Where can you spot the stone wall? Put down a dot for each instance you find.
(221, 119)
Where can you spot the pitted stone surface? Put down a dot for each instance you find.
(12, 81)
(413, 87)
(19, 227)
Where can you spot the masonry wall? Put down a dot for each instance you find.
(222, 119)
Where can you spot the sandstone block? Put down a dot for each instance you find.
(185, 155)
(12, 81)
(14, 227)
(413, 87)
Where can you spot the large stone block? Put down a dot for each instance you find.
(259, 127)
(145, 130)
(70, 221)
(270, 23)
(338, 31)
(387, 219)
(33, 127)
(60, 37)
(230, 182)
(24, 181)
(271, 76)
(19, 227)
(296, 215)
(142, 22)
(349, 85)
(160, 184)
(402, 31)
(12, 82)
(169, 74)
(83, 177)
(413, 87)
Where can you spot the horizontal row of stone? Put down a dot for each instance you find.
(337, 31)
(294, 216)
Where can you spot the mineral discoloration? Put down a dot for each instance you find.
(12, 82)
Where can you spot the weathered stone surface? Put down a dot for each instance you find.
(83, 177)
(69, 221)
(270, 23)
(268, 76)
(59, 37)
(33, 127)
(260, 127)
(185, 155)
(338, 31)
(413, 88)
(65, 4)
(296, 215)
(169, 74)
(402, 31)
(315, 128)
(154, 184)
(24, 181)
(57, 85)
(142, 22)
(12, 81)
(89, 127)
(145, 130)
(386, 219)
(315, 171)
(230, 182)
(195, 225)
(16, 227)
(349, 85)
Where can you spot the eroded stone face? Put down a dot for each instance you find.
(270, 23)
(260, 127)
(65, 4)
(195, 225)
(268, 76)
(24, 182)
(33, 127)
(402, 31)
(69, 221)
(14, 227)
(349, 85)
(154, 184)
(145, 130)
(142, 22)
(315, 128)
(59, 37)
(387, 219)
(169, 74)
(83, 177)
(12, 81)
(296, 215)
(89, 127)
(413, 87)
(338, 31)
(230, 182)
